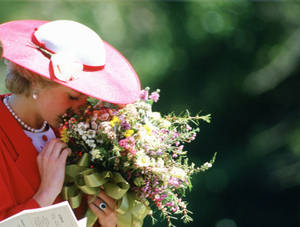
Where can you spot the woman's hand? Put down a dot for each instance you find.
(105, 209)
(51, 163)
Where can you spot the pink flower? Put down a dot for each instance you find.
(174, 182)
(72, 120)
(104, 117)
(164, 131)
(174, 209)
(128, 144)
(123, 143)
(154, 96)
(144, 95)
(169, 204)
(175, 135)
(132, 151)
(103, 114)
(188, 127)
(131, 140)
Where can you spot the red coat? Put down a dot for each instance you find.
(19, 174)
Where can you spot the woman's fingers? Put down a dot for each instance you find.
(101, 205)
(64, 154)
(49, 147)
(58, 148)
(53, 149)
(51, 164)
(96, 210)
(44, 156)
(106, 215)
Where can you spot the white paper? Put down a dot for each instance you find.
(82, 222)
(57, 215)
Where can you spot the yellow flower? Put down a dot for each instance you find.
(148, 130)
(114, 121)
(64, 135)
(128, 133)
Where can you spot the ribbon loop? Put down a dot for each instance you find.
(82, 179)
(123, 205)
(93, 178)
(84, 161)
(117, 187)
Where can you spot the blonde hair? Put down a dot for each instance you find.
(20, 80)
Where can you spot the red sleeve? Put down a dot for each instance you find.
(30, 204)
(8, 205)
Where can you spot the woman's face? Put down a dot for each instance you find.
(55, 100)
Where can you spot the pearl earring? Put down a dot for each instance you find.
(34, 95)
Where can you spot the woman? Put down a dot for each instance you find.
(51, 67)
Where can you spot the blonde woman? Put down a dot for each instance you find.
(51, 67)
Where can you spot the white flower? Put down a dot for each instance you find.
(96, 154)
(162, 172)
(178, 173)
(143, 135)
(107, 129)
(94, 125)
(91, 133)
(99, 141)
(105, 126)
(91, 143)
(160, 163)
(143, 105)
(155, 115)
(165, 123)
(142, 160)
(81, 128)
(151, 141)
(131, 110)
(157, 196)
(207, 164)
(126, 164)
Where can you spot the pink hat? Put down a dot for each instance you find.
(73, 55)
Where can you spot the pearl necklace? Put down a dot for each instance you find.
(27, 127)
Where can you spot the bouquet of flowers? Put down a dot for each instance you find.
(136, 155)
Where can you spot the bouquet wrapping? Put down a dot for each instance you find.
(134, 154)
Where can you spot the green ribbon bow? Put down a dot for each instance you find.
(82, 179)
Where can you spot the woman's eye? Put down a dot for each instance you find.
(73, 98)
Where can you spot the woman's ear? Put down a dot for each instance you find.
(35, 89)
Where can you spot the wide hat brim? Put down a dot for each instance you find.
(116, 82)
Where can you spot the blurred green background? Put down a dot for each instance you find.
(235, 59)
